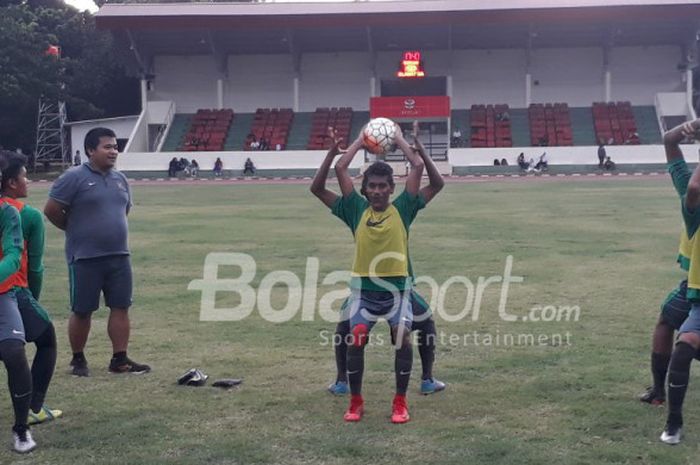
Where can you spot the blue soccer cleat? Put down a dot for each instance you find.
(431, 385)
(339, 388)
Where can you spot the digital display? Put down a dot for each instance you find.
(411, 66)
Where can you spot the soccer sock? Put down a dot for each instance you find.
(356, 367)
(79, 356)
(341, 350)
(659, 368)
(43, 367)
(19, 379)
(403, 363)
(119, 356)
(679, 373)
(426, 348)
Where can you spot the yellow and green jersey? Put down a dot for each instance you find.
(381, 239)
(685, 250)
(689, 249)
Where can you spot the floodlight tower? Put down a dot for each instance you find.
(51, 137)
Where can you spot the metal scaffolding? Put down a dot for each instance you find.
(51, 137)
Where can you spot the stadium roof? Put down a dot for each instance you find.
(265, 28)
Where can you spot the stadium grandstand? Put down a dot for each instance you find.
(486, 80)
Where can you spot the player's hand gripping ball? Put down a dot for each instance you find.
(379, 135)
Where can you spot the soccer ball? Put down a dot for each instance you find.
(378, 136)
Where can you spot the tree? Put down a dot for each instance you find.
(26, 73)
(86, 77)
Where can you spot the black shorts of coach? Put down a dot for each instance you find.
(109, 275)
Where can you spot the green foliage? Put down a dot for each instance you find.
(85, 77)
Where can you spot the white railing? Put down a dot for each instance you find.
(163, 135)
(138, 139)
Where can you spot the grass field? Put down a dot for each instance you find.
(607, 246)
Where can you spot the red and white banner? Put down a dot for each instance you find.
(409, 107)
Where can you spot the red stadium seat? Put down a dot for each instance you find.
(614, 123)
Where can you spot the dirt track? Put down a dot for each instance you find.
(448, 179)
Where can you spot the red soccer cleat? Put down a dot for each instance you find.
(356, 409)
(399, 410)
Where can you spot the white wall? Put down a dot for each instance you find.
(303, 159)
(579, 155)
(488, 76)
(138, 139)
(308, 159)
(189, 81)
(671, 103)
(159, 112)
(334, 80)
(259, 81)
(638, 73)
(574, 76)
(122, 127)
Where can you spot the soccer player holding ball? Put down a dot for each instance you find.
(688, 342)
(423, 322)
(381, 283)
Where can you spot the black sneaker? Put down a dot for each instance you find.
(653, 397)
(79, 367)
(127, 366)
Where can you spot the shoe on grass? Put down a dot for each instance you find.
(23, 441)
(653, 396)
(671, 434)
(431, 385)
(355, 410)
(79, 367)
(339, 388)
(127, 366)
(45, 414)
(399, 410)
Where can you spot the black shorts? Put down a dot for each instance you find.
(422, 315)
(676, 307)
(11, 326)
(34, 317)
(110, 275)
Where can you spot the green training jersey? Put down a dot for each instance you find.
(377, 233)
(33, 231)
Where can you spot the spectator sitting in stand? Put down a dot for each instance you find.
(173, 167)
(456, 138)
(632, 138)
(185, 166)
(542, 165)
(521, 161)
(249, 167)
(254, 145)
(609, 164)
(218, 167)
